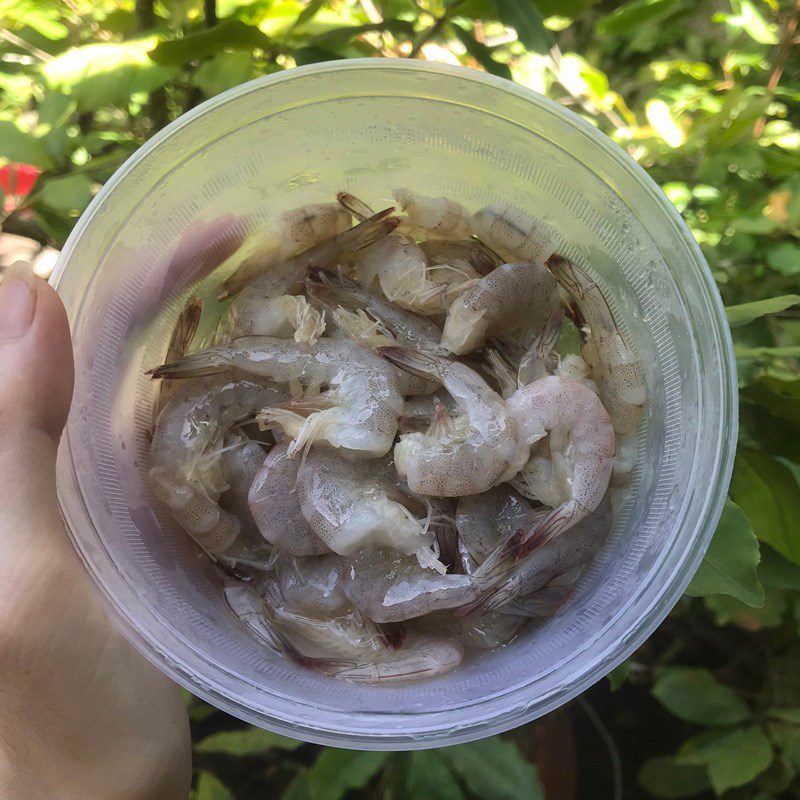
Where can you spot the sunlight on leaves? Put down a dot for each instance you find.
(247, 741)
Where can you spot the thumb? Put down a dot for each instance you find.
(35, 391)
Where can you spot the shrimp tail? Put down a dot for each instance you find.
(502, 372)
(547, 600)
(411, 361)
(494, 568)
(369, 231)
(533, 364)
(304, 428)
(551, 525)
(356, 207)
(204, 362)
(332, 290)
(482, 257)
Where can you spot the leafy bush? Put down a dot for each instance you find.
(705, 97)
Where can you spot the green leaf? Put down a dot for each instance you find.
(230, 34)
(341, 35)
(223, 72)
(786, 735)
(666, 778)
(785, 258)
(20, 147)
(429, 778)
(747, 312)
(481, 53)
(627, 18)
(308, 12)
(732, 758)
(564, 8)
(695, 695)
(210, 787)
(524, 17)
(729, 566)
(767, 491)
(297, 788)
(72, 193)
(245, 742)
(727, 610)
(619, 675)
(494, 769)
(336, 771)
(776, 572)
(766, 353)
(98, 75)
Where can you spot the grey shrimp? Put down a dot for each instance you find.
(354, 504)
(358, 411)
(275, 505)
(615, 367)
(538, 568)
(513, 233)
(581, 450)
(186, 474)
(468, 452)
(518, 300)
(267, 279)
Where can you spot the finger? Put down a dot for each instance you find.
(35, 391)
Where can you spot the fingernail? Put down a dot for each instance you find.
(17, 301)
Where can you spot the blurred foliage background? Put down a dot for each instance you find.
(704, 95)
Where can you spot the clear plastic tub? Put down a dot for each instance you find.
(367, 126)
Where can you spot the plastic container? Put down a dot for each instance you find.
(366, 127)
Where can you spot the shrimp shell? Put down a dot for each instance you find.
(275, 505)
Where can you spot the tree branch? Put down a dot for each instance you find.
(210, 12)
(781, 55)
(428, 34)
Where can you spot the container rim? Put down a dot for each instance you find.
(494, 714)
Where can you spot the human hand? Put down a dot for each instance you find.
(82, 715)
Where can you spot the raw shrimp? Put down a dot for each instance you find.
(296, 230)
(275, 505)
(346, 636)
(267, 279)
(471, 252)
(419, 411)
(468, 452)
(515, 366)
(358, 411)
(346, 647)
(546, 601)
(387, 586)
(519, 300)
(402, 270)
(546, 563)
(187, 476)
(581, 443)
(614, 366)
(408, 330)
(434, 215)
(372, 322)
(181, 339)
(284, 317)
(513, 233)
(352, 504)
(313, 584)
(486, 520)
(443, 526)
(476, 631)
(241, 458)
(420, 657)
